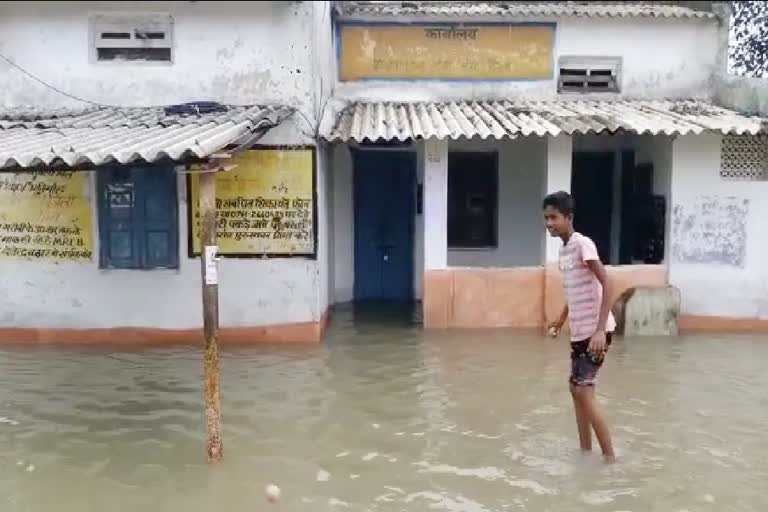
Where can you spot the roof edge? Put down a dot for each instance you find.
(431, 10)
(506, 119)
(78, 140)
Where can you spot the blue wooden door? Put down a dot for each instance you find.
(384, 209)
(160, 232)
(138, 220)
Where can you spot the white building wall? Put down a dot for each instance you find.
(65, 295)
(719, 238)
(661, 58)
(231, 52)
(677, 59)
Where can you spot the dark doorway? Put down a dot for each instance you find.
(385, 196)
(592, 190)
(643, 214)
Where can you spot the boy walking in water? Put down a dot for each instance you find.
(591, 322)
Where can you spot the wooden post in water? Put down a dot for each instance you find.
(210, 277)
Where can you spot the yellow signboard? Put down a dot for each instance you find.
(265, 205)
(45, 216)
(446, 51)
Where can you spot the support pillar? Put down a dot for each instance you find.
(559, 165)
(437, 281)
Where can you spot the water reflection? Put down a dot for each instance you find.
(385, 417)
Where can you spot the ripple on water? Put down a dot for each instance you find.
(489, 474)
(604, 497)
(549, 466)
(447, 502)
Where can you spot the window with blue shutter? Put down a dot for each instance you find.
(138, 218)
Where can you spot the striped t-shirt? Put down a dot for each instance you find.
(583, 291)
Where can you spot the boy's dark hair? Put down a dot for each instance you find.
(560, 201)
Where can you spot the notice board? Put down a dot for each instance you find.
(446, 51)
(265, 206)
(45, 216)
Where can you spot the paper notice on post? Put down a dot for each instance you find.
(211, 265)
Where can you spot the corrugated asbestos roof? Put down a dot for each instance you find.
(522, 9)
(37, 138)
(499, 119)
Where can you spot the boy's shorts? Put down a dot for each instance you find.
(584, 366)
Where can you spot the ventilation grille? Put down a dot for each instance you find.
(744, 157)
(588, 74)
(139, 37)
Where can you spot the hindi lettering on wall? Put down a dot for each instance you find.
(265, 206)
(446, 51)
(45, 216)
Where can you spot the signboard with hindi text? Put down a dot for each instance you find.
(446, 51)
(45, 217)
(265, 206)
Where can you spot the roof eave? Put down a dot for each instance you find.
(191, 150)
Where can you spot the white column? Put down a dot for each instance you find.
(435, 204)
(559, 161)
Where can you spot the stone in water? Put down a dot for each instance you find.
(273, 493)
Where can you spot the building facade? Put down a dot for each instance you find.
(396, 152)
(498, 105)
(139, 278)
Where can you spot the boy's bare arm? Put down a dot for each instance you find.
(596, 266)
(563, 316)
(557, 325)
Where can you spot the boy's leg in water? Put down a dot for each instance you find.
(584, 368)
(585, 395)
(582, 421)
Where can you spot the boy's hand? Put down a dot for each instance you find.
(553, 329)
(597, 343)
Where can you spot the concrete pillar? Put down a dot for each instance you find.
(435, 204)
(558, 177)
(438, 282)
(559, 161)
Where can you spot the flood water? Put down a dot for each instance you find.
(385, 417)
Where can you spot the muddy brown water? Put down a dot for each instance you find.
(386, 417)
